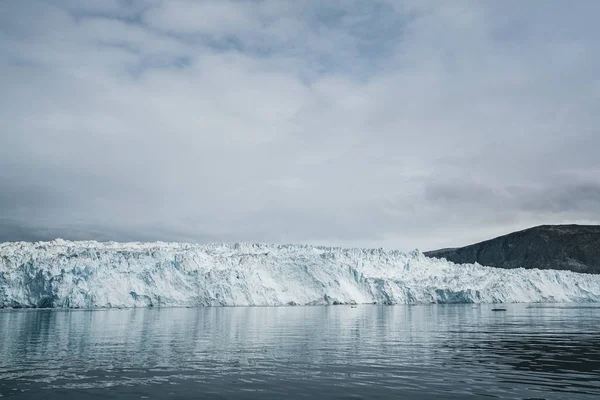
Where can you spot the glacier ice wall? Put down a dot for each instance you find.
(91, 274)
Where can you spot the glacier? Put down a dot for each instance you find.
(89, 274)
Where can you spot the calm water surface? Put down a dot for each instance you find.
(339, 352)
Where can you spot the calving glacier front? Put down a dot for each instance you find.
(92, 274)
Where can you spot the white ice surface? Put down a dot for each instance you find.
(92, 274)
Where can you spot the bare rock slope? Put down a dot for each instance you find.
(562, 247)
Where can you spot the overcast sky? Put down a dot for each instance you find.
(397, 124)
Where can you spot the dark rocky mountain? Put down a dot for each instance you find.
(564, 247)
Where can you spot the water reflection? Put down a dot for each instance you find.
(437, 351)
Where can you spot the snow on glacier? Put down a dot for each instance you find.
(92, 274)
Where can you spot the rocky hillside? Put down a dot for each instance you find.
(563, 247)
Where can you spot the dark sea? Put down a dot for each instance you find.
(337, 352)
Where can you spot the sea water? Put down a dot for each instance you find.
(335, 352)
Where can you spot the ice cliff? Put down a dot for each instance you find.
(92, 274)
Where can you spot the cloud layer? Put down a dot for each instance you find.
(359, 123)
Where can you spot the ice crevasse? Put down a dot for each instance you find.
(91, 274)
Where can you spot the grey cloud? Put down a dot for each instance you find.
(413, 124)
(462, 193)
(565, 198)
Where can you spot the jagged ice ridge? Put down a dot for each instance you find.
(92, 274)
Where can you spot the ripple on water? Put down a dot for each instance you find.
(437, 351)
